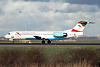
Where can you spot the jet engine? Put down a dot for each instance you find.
(59, 34)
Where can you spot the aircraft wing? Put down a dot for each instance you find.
(40, 37)
(37, 37)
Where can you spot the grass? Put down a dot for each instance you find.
(50, 48)
(55, 53)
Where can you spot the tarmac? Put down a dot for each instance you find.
(50, 44)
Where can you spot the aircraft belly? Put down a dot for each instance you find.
(57, 38)
(30, 38)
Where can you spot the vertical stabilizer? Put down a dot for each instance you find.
(80, 26)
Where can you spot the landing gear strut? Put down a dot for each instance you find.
(13, 41)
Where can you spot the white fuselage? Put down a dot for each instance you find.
(31, 35)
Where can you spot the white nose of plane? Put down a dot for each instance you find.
(7, 36)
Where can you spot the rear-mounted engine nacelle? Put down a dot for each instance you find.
(59, 34)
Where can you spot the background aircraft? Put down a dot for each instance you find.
(48, 35)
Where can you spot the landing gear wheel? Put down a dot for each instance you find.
(43, 42)
(49, 41)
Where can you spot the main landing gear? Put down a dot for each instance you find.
(43, 41)
(49, 41)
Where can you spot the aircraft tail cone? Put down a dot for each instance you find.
(91, 22)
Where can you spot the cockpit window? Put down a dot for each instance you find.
(8, 33)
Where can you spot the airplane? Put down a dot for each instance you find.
(48, 35)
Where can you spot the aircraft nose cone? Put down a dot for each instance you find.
(5, 36)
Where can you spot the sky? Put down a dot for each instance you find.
(48, 15)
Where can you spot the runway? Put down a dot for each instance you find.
(50, 44)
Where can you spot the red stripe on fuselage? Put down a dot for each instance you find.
(73, 30)
(18, 33)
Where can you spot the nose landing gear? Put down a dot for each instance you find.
(13, 41)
